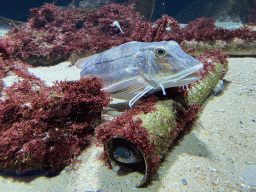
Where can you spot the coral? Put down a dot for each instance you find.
(43, 128)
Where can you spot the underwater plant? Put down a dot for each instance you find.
(41, 127)
(6, 48)
(151, 32)
(202, 35)
(124, 126)
(44, 128)
(203, 29)
(7, 63)
(51, 34)
(209, 58)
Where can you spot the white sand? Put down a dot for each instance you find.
(60, 72)
(219, 154)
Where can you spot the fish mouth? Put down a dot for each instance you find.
(185, 77)
(192, 73)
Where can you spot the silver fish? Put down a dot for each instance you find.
(133, 69)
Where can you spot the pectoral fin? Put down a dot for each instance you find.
(139, 95)
(125, 87)
(131, 90)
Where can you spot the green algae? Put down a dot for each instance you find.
(235, 47)
(203, 89)
(160, 124)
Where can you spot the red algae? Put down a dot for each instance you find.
(200, 29)
(54, 34)
(203, 29)
(51, 32)
(115, 127)
(41, 127)
(152, 32)
(209, 58)
(44, 128)
(186, 118)
(6, 48)
(126, 127)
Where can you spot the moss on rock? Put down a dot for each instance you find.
(160, 124)
(202, 90)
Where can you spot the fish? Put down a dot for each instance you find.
(131, 70)
(128, 156)
(116, 24)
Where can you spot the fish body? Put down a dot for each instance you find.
(128, 156)
(133, 69)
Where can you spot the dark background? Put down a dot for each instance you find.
(182, 10)
(19, 9)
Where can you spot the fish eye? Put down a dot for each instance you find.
(160, 52)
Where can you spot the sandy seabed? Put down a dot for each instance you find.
(219, 154)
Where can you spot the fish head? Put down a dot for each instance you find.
(164, 64)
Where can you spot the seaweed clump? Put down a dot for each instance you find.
(203, 29)
(53, 34)
(209, 60)
(8, 63)
(6, 48)
(126, 127)
(44, 128)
